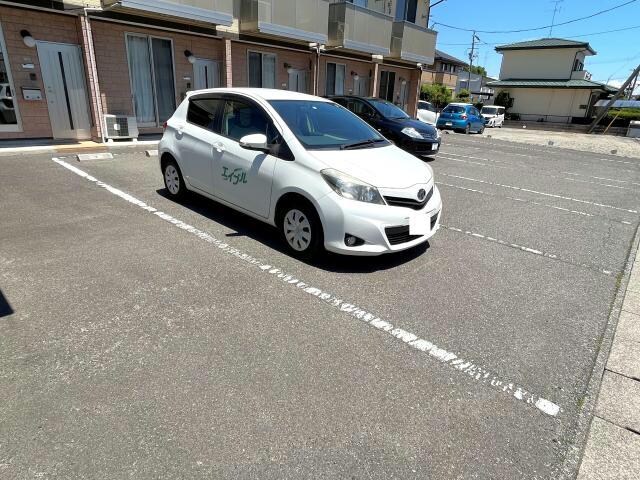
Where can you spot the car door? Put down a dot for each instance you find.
(244, 177)
(195, 139)
(476, 119)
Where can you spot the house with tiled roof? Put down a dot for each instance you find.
(547, 80)
(444, 71)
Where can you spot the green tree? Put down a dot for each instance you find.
(439, 95)
(503, 99)
(463, 95)
(477, 69)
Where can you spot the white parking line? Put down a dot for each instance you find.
(474, 371)
(534, 251)
(553, 195)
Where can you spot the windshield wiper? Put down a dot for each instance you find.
(361, 143)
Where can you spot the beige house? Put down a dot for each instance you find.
(547, 81)
(67, 67)
(444, 71)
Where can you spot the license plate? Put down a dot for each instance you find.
(434, 146)
(449, 124)
(419, 225)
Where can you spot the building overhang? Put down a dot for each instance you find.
(170, 9)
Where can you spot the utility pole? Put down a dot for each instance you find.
(635, 82)
(556, 9)
(613, 100)
(473, 47)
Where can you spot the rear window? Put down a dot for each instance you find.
(454, 109)
(202, 112)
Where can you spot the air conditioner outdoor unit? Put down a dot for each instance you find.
(120, 126)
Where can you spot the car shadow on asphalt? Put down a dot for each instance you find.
(5, 308)
(246, 226)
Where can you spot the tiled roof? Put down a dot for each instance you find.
(551, 84)
(440, 55)
(545, 43)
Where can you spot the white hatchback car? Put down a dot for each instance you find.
(304, 164)
(494, 115)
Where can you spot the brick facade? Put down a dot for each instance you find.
(361, 68)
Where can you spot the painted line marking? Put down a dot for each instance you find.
(512, 187)
(475, 371)
(600, 178)
(533, 251)
(532, 202)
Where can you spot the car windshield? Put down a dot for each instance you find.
(454, 109)
(387, 109)
(424, 106)
(325, 125)
(489, 110)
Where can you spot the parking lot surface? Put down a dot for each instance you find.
(146, 338)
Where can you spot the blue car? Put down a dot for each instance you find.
(461, 117)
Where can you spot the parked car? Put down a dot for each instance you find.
(409, 134)
(427, 112)
(322, 176)
(493, 115)
(7, 109)
(461, 117)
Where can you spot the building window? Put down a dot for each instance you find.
(9, 117)
(578, 66)
(152, 79)
(406, 10)
(262, 70)
(387, 83)
(335, 78)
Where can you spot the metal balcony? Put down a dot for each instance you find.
(301, 20)
(218, 12)
(413, 43)
(358, 28)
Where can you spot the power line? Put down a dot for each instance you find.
(573, 36)
(537, 28)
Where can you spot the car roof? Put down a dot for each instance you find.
(261, 93)
(496, 106)
(461, 104)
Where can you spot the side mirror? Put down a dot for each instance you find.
(255, 141)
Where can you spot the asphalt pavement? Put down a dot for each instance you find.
(147, 338)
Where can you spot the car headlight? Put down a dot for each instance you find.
(411, 132)
(349, 187)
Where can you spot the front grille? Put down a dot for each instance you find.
(398, 235)
(409, 202)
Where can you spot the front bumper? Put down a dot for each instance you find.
(383, 228)
(418, 146)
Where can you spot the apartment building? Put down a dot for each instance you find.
(65, 64)
(547, 80)
(477, 85)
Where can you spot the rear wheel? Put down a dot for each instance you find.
(173, 180)
(301, 229)
(467, 129)
(481, 131)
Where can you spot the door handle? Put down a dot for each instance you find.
(180, 128)
(219, 146)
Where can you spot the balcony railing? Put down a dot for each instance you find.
(359, 28)
(219, 12)
(303, 20)
(413, 43)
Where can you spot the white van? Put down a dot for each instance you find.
(320, 174)
(494, 115)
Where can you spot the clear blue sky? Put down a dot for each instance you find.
(618, 52)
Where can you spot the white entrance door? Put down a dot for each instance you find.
(206, 74)
(298, 81)
(66, 89)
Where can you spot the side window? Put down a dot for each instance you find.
(203, 112)
(501, 111)
(475, 112)
(240, 118)
(361, 108)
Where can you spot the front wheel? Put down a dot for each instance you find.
(481, 131)
(301, 229)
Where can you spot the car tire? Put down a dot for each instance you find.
(467, 129)
(481, 131)
(301, 229)
(173, 180)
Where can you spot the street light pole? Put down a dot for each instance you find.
(473, 46)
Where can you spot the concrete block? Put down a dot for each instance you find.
(83, 157)
(619, 401)
(151, 153)
(611, 453)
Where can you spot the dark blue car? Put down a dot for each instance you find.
(461, 117)
(412, 135)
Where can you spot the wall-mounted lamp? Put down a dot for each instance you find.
(355, 76)
(288, 67)
(28, 40)
(190, 56)
(403, 82)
